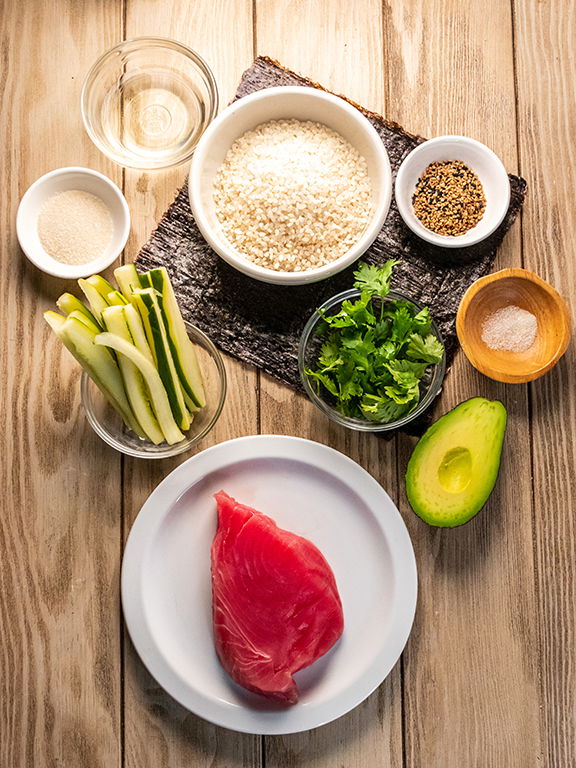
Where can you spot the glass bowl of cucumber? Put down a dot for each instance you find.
(109, 425)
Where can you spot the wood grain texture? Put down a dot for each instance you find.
(339, 45)
(546, 68)
(472, 663)
(59, 523)
(159, 733)
(489, 673)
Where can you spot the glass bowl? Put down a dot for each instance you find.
(308, 350)
(147, 101)
(108, 425)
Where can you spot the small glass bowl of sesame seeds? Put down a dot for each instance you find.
(452, 191)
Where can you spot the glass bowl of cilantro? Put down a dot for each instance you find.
(370, 358)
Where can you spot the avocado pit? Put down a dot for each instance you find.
(455, 470)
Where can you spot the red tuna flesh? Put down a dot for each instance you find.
(275, 604)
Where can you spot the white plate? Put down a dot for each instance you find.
(307, 488)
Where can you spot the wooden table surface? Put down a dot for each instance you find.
(487, 679)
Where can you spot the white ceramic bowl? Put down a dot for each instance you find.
(62, 180)
(286, 102)
(479, 158)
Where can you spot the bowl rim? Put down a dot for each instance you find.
(482, 283)
(39, 257)
(152, 41)
(362, 425)
(164, 450)
(228, 253)
(451, 241)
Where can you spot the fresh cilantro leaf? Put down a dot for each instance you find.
(384, 353)
(404, 379)
(324, 379)
(422, 321)
(360, 349)
(403, 395)
(382, 330)
(348, 369)
(381, 409)
(330, 355)
(351, 388)
(403, 366)
(355, 313)
(426, 348)
(401, 324)
(374, 280)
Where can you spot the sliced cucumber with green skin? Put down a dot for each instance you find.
(128, 279)
(68, 303)
(134, 322)
(182, 349)
(145, 280)
(95, 299)
(97, 361)
(147, 303)
(136, 391)
(153, 381)
(115, 298)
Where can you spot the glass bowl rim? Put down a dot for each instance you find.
(151, 41)
(362, 425)
(164, 450)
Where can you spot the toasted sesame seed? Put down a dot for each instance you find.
(449, 198)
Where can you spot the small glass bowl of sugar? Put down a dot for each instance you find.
(73, 222)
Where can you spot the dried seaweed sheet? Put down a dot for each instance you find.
(261, 324)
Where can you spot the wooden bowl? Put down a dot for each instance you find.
(527, 291)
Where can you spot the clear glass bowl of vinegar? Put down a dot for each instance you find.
(147, 101)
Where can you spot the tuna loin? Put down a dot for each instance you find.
(275, 604)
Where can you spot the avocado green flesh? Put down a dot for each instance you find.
(454, 466)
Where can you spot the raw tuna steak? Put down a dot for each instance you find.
(276, 608)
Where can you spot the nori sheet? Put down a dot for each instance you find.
(260, 323)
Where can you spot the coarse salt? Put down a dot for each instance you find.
(75, 227)
(510, 329)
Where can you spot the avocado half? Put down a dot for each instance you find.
(454, 466)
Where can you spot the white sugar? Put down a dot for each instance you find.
(510, 329)
(75, 227)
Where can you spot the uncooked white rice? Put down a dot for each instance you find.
(293, 195)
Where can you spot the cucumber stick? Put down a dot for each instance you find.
(101, 285)
(97, 361)
(136, 391)
(158, 395)
(137, 331)
(68, 303)
(95, 298)
(92, 325)
(128, 279)
(181, 347)
(146, 301)
(116, 298)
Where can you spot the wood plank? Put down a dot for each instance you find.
(338, 44)
(59, 523)
(544, 35)
(158, 731)
(472, 664)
